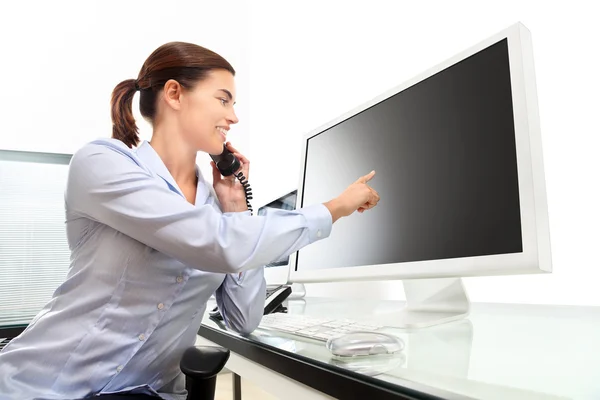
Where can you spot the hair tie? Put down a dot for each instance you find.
(137, 87)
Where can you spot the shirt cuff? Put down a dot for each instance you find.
(319, 221)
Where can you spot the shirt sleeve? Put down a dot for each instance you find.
(241, 300)
(108, 185)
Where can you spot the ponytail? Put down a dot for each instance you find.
(124, 127)
(187, 63)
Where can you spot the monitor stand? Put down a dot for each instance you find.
(298, 291)
(431, 302)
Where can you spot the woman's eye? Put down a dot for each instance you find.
(223, 101)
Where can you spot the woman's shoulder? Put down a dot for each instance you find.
(105, 145)
(102, 151)
(101, 166)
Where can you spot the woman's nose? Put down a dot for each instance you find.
(233, 119)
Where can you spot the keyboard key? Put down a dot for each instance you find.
(321, 336)
(305, 332)
(287, 328)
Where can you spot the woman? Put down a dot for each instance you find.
(151, 242)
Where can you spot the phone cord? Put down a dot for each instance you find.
(247, 190)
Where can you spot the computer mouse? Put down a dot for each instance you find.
(364, 344)
(371, 366)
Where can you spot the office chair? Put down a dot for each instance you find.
(201, 364)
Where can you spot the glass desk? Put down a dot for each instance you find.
(502, 351)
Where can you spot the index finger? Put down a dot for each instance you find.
(366, 178)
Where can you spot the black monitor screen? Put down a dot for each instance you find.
(444, 152)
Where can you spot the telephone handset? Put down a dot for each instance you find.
(227, 164)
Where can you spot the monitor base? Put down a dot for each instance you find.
(431, 302)
(298, 291)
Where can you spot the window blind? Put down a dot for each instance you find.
(34, 254)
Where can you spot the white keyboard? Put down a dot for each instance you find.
(313, 327)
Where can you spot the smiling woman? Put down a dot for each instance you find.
(187, 94)
(175, 66)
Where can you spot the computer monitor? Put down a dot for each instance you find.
(458, 159)
(277, 272)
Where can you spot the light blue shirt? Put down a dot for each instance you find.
(144, 262)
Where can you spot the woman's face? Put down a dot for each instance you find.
(206, 112)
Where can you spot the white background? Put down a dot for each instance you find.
(300, 66)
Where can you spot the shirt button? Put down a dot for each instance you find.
(119, 368)
(160, 306)
(142, 337)
(179, 279)
(319, 234)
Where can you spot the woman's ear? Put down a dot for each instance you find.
(172, 94)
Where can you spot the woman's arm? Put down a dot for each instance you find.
(108, 184)
(241, 300)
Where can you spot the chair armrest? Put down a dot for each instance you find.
(201, 364)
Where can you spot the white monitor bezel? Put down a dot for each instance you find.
(535, 257)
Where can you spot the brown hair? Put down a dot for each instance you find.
(186, 63)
